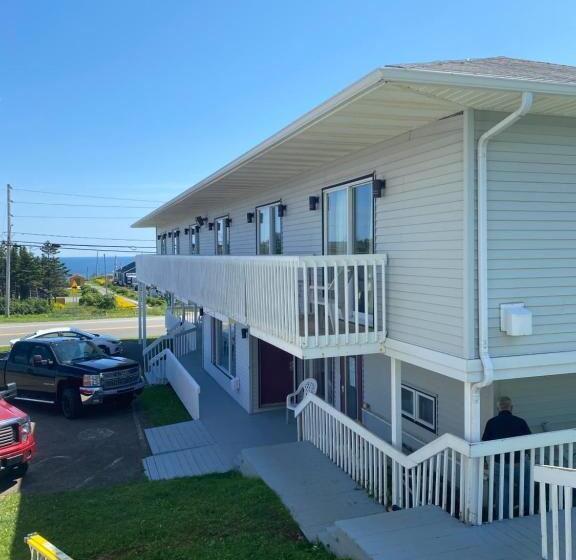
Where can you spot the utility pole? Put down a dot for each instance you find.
(8, 245)
(105, 276)
(96, 264)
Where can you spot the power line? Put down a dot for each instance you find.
(81, 217)
(92, 245)
(91, 250)
(77, 236)
(87, 195)
(79, 205)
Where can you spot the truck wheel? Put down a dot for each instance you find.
(70, 403)
(124, 401)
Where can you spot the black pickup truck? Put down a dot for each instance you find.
(68, 372)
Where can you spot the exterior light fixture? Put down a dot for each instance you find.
(228, 222)
(169, 234)
(378, 186)
(164, 236)
(313, 202)
(177, 233)
(210, 226)
(159, 236)
(201, 311)
(186, 231)
(281, 210)
(197, 228)
(244, 332)
(250, 217)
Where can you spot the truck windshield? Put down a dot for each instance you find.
(68, 351)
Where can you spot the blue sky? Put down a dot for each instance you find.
(140, 99)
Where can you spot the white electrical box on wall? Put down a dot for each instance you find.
(515, 319)
(235, 384)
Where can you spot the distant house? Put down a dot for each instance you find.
(125, 276)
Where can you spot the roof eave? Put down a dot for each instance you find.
(362, 86)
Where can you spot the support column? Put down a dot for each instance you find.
(144, 310)
(139, 285)
(396, 401)
(472, 433)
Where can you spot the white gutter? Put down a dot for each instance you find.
(487, 366)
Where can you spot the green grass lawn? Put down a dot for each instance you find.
(215, 517)
(160, 406)
(74, 312)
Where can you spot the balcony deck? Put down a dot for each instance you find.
(312, 306)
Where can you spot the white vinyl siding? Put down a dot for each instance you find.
(532, 231)
(449, 395)
(419, 222)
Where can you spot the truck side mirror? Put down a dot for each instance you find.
(38, 360)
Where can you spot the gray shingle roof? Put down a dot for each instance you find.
(501, 67)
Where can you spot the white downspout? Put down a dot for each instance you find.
(482, 194)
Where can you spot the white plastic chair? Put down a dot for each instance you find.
(309, 385)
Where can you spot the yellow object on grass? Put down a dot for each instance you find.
(41, 549)
(124, 303)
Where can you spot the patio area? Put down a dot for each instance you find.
(213, 443)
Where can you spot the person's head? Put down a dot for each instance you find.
(505, 404)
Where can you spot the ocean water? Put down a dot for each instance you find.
(90, 266)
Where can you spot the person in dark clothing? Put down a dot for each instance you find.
(506, 425)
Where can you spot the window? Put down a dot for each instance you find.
(269, 230)
(224, 346)
(176, 242)
(348, 219)
(419, 407)
(194, 235)
(222, 233)
(348, 230)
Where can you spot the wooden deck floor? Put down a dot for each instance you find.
(212, 444)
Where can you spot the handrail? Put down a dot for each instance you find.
(557, 486)
(409, 461)
(479, 482)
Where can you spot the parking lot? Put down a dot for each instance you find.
(103, 447)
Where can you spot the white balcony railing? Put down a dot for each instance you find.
(311, 305)
(478, 482)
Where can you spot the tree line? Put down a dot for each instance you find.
(41, 277)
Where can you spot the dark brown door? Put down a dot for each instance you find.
(275, 372)
(351, 391)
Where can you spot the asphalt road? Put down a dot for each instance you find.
(120, 328)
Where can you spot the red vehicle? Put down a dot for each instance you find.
(17, 444)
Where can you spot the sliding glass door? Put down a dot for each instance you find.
(348, 229)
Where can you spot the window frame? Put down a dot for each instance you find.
(193, 233)
(231, 371)
(348, 186)
(226, 230)
(176, 247)
(270, 206)
(415, 416)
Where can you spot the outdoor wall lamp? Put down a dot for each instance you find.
(197, 228)
(250, 217)
(244, 332)
(281, 210)
(159, 236)
(313, 202)
(210, 226)
(177, 233)
(200, 220)
(169, 234)
(201, 312)
(378, 186)
(228, 222)
(186, 231)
